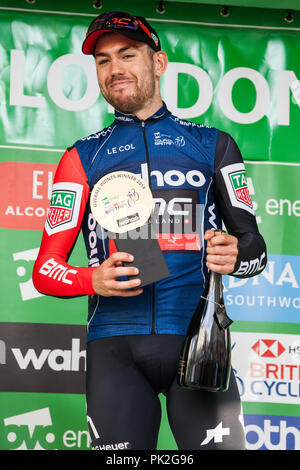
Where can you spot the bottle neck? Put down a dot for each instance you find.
(215, 288)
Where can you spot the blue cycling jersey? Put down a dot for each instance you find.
(177, 159)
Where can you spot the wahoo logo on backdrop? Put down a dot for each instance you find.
(38, 358)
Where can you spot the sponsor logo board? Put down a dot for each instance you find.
(267, 367)
(273, 295)
(36, 357)
(274, 191)
(265, 432)
(41, 429)
(25, 194)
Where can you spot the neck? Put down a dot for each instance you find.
(149, 109)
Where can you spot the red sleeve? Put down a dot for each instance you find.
(52, 274)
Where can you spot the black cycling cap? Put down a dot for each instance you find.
(133, 27)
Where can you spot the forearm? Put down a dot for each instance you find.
(252, 255)
(236, 208)
(52, 275)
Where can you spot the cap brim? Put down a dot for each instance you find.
(88, 46)
(89, 43)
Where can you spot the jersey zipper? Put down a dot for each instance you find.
(149, 180)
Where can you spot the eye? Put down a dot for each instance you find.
(102, 61)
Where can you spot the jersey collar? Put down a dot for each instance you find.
(131, 119)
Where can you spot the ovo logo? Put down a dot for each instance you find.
(32, 430)
(268, 348)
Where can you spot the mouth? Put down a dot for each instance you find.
(120, 84)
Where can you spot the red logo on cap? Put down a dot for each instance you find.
(123, 21)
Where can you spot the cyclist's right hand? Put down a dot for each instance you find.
(105, 276)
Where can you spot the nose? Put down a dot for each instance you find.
(116, 68)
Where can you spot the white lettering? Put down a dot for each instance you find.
(64, 278)
(252, 266)
(36, 183)
(263, 301)
(178, 200)
(30, 356)
(55, 79)
(170, 86)
(28, 211)
(283, 207)
(262, 95)
(92, 223)
(56, 271)
(287, 275)
(20, 69)
(272, 436)
(287, 81)
(174, 177)
(70, 358)
(18, 72)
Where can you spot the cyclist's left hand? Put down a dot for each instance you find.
(222, 251)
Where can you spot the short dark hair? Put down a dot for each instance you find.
(150, 51)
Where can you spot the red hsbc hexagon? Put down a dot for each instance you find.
(268, 348)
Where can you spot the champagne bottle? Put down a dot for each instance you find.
(205, 361)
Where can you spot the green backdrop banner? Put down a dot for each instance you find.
(240, 79)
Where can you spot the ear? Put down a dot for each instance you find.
(160, 59)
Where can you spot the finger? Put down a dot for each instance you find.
(225, 250)
(220, 268)
(117, 257)
(221, 259)
(114, 287)
(218, 239)
(223, 239)
(209, 234)
(127, 293)
(124, 271)
(123, 285)
(119, 263)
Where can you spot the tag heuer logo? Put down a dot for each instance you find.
(240, 187)
(236, 184)
(64, 207)
(61, 207)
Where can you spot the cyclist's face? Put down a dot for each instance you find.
(125, 73)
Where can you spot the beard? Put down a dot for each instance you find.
(130, 103)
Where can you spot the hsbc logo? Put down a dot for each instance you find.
(268, 367)
(268, 348)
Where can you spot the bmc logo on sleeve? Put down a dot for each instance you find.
(64, 207)
(237, 187)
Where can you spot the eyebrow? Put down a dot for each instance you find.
(122, 49)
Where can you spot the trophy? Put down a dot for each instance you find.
(121, 202)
